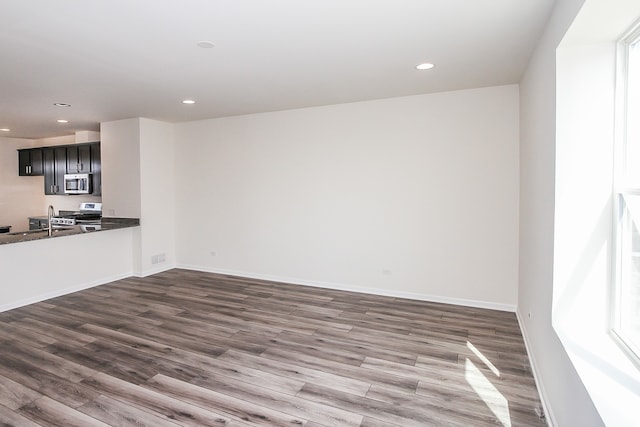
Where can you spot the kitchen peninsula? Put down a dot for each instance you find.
(106, 224)
(133, 239)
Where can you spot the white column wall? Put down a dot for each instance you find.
(157, 192)
(120, 158)
(566, 400)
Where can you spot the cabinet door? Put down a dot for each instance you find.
(84, 158)
(24, 162)
(79, 158)
(73, 162)
(34, 223)
(55, 166)
(36, 162)
(30, 162)
(49, 164)
(60, 155)
(96, 170)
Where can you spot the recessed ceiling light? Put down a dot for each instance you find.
(62, 104)
(425, 66)
(188, 101)
(5, 130)
(205, 44)
(63, 121)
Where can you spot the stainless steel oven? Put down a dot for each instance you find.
(89, 216)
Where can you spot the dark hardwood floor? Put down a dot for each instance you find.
(192, 348)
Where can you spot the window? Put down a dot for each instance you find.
(626, 300)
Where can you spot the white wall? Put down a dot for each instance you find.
(157, 192)
(86, 136)
(414, 196)
(120, 159)
(584, 217)
(20, 196)
(584, 244)
(138, 182)
(567, 401)
(41, 269)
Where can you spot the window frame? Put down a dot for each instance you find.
(620, 191)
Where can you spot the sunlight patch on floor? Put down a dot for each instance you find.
(494, 400)
(483, 358)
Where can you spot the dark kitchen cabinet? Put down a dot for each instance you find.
(79, 158)
(30, 162)
(55, 166)
(38, 223)
(55, 162)
(96, 170)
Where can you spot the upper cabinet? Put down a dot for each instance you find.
(55, 162)
(79, 158)
(30, 162)
(55, 166)
(96, 169)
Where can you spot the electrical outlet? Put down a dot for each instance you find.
(212, 253)
(162, 257)
(386, 272)
(154, 259)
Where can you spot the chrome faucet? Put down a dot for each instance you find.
(50, 214)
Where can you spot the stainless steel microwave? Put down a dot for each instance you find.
(77, 183)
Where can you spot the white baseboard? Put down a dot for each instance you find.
(72, 289)
(544, 397)
(60, 292)
(317, 284)
(155, 270)
(344, 287)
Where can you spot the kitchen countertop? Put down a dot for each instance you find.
(106, 224)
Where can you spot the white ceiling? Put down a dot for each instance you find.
(115, 59)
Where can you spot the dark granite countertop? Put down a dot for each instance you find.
(105, 225)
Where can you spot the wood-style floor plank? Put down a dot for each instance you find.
(49, 412)
(116, 413)
(200, 349)
(10, 418)
(299, 373)
(159, 403)
(223, 403)
(45, 360)
(58, 388)
(14, 395)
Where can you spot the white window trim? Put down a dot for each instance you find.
(621, 189)
(583, 221)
